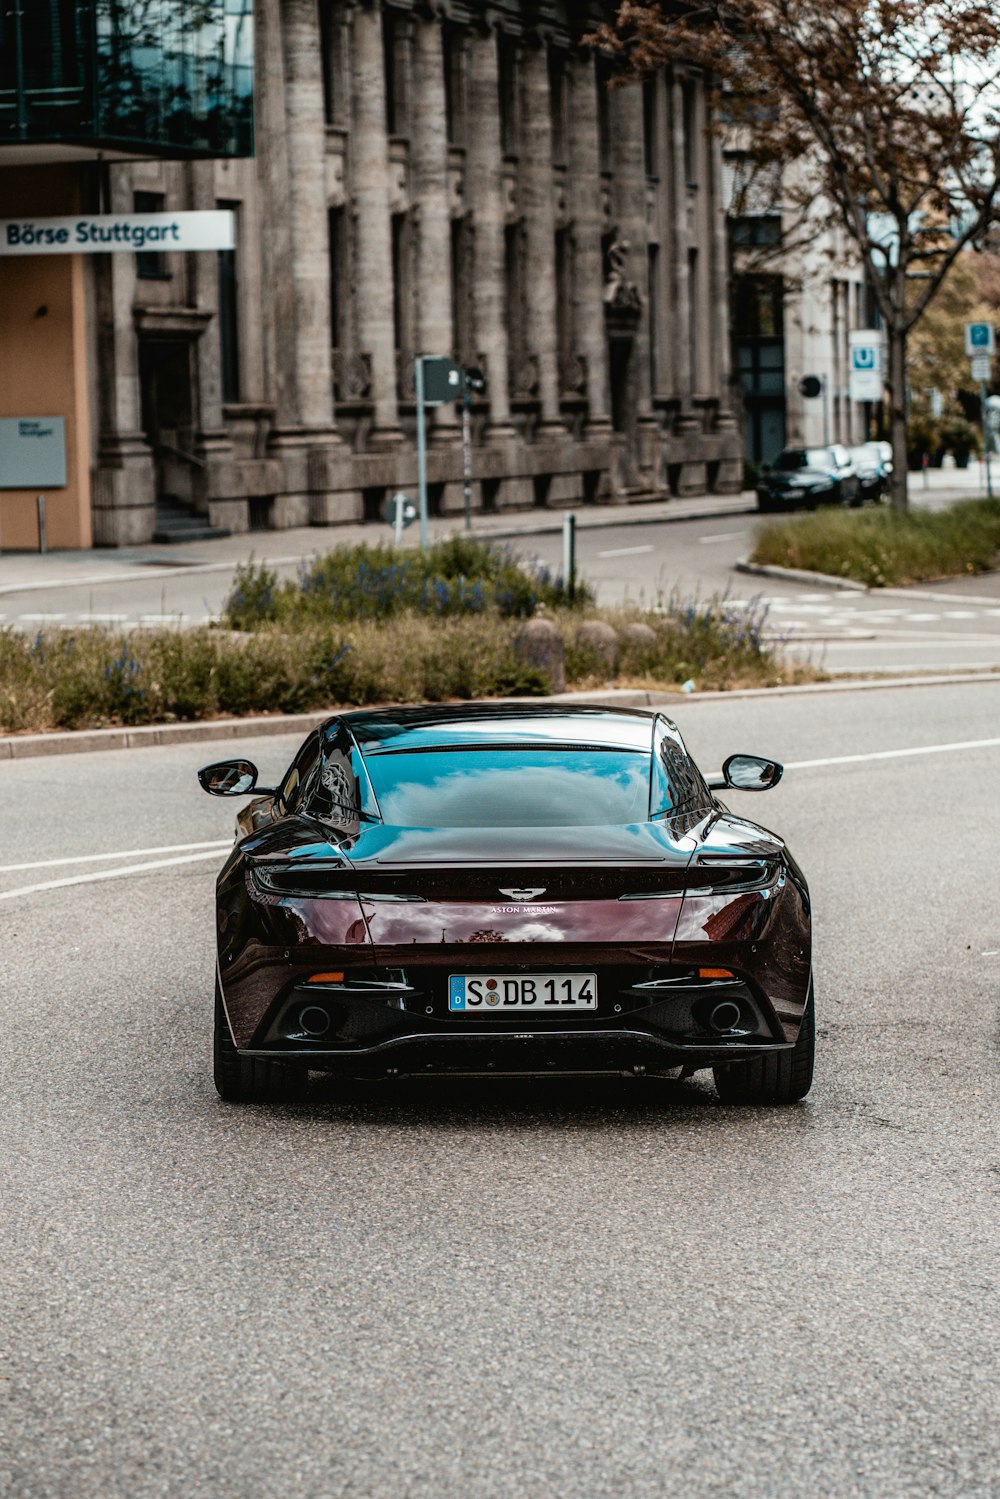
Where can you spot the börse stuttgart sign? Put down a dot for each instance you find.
(83, 234)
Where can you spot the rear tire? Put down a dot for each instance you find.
(778, 1076)
(240, 1079)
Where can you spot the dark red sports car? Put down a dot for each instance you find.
(497, 889)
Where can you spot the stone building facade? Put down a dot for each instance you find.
(446, 178)
(798, 291)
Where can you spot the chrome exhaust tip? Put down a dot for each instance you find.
(724, 1016)
(314, 1020)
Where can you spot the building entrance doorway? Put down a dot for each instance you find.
(166, 368)
(624, 404)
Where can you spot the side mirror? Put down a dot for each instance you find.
(748, 773)
(232, 778)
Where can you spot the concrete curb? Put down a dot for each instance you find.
(799, 575)
(827, 580)
(85, 741)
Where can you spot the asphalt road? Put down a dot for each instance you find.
(449, 1291)
(645, 563)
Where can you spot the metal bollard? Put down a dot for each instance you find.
(42, 544)
(569, 556)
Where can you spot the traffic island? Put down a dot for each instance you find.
(883, 548)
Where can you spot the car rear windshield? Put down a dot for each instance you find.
(511, 787)
(793, 458)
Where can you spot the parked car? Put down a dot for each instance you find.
(641, 927)
(810, 477)
(873, 462)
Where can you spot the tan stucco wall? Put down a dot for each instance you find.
(43, 358)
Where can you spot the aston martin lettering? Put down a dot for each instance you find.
(522, 910)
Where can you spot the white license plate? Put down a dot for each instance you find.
(546, 993)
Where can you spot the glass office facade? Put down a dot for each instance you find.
(158, 77)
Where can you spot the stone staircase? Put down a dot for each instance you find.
(176, 521)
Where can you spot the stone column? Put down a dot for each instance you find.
(584, 205)
(484, 191)
(203, 280)
(429, 175)
(372, 236)
(212, 443)
(538, 210)
(274, 217)
(728, 436)
(628, 211)
(720, 281)
(309, 269)
(124, 489)
(682, 286)
(296, 265)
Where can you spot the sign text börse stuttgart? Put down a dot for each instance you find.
(83, 234)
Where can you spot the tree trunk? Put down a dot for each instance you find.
(897, 416)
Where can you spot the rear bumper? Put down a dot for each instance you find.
(517, 1052)
(795, 499)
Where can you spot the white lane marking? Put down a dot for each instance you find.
(105, 874)
(707, 541)
(41, 619)
(896, 754)
(994, 952)
(920, 639)
(921, 616)
(625, 551)
(796, 608)
(125, 853)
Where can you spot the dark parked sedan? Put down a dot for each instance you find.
(808, 476)
(495, 889)
(873, 462)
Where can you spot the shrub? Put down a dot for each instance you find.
(455, 578)
(95, 677)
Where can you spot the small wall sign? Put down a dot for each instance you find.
(32, 452)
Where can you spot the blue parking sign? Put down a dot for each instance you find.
(863, 357)
(979, 338)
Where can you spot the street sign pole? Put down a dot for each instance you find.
(826, 411)
(421, 455)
